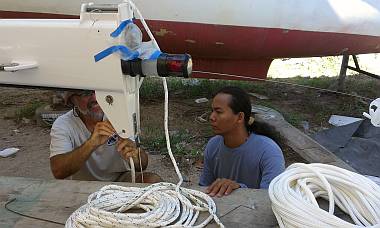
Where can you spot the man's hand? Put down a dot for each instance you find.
(127, 149)
(222, 187)
(102, 131)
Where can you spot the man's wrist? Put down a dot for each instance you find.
(91, 144)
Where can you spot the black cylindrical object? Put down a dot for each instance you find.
(166, 65)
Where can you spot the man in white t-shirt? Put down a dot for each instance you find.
(79, 150)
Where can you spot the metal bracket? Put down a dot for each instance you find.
(4, 65)
(16, 66)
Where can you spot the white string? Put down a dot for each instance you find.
(167, 137)
(141, 169)
(279, 82)
(164, 204)
(150, 34)
(293, 195)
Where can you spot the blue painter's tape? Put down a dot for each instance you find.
(101, 55)
(155, 55)
(120, 28)
(126, 53)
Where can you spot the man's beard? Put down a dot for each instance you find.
(97, 116)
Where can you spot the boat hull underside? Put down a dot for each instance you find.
(241, 50)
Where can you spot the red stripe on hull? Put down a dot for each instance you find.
(243, 50)
(249, 51)
(237, 42)
(32, 15)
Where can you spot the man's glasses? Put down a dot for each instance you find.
(112, 139)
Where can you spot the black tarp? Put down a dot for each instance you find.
(357, 143)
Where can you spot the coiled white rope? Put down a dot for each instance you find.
(162, 204)
(293, 195)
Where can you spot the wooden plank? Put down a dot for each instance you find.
(57, 199)
(272, 123)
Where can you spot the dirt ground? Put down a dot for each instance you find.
(32, 160)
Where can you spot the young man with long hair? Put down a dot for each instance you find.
(237, 157)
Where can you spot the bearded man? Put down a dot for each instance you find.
(78, 148)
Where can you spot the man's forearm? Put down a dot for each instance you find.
(65, 165)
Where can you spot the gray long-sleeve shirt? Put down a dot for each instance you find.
(253, 164)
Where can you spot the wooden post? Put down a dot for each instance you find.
(343, 71)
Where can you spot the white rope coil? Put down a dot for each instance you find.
(294, 192)
(163, 206)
